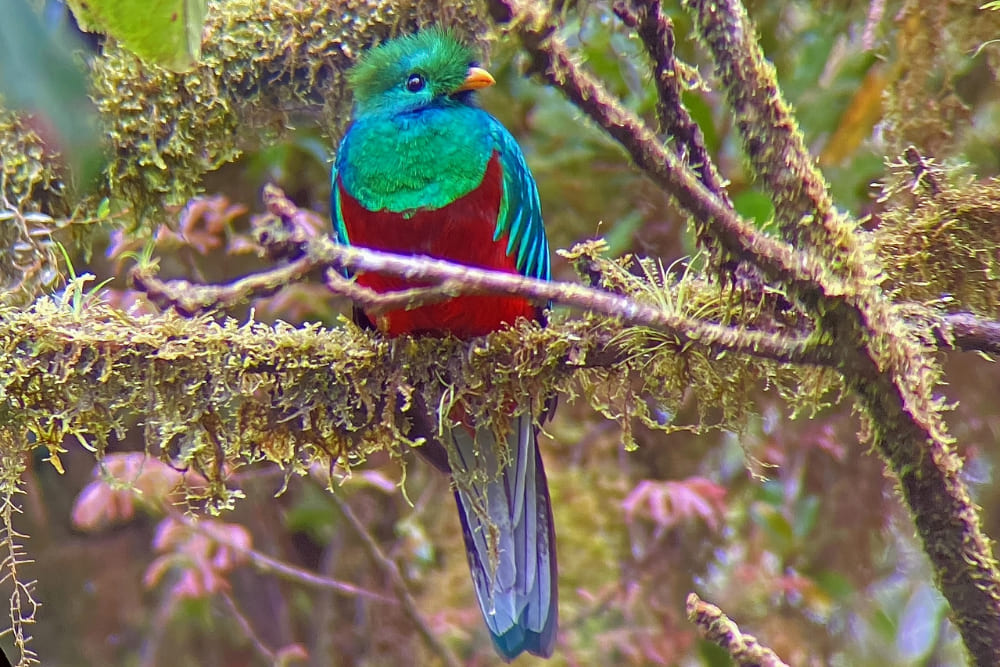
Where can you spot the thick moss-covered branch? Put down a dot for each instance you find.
(717, 628)
(773, 142)
(209, 392)
(884, 357)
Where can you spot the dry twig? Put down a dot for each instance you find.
(716, 627)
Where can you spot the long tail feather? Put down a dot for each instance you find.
(512, 554)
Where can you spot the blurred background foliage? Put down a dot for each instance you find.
(790, 526)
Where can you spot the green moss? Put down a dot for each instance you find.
(263, 62)
(939, 240)
(209, 393)
(33, 197)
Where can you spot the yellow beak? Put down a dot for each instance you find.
(476, 78)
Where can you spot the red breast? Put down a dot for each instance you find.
(460, 232)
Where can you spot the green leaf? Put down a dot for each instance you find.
(775, 526)
(834, 584)
(163, 32)
(806, 513)
(757, 206)
(104, 209)
(40, 77)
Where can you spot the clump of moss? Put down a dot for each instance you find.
(32, 176)
(263, 62)
(939, 241)
(32, 198)
(924, 103)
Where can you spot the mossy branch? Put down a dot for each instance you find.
(657, 33)
(717, 628)
(771, 138)
(825, 265)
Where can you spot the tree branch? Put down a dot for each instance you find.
(267, 565)
(971, 333)
(776, 148)
(717, 628)
(448, 280)
(656, 31)
(824, 266)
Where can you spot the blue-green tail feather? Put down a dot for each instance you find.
(519, 596)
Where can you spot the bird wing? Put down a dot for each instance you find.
(339, 227)
(520, 217)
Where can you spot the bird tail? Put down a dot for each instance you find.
(506, 515)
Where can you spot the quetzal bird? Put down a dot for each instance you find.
(422, 170)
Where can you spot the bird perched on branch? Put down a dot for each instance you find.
(423, 171)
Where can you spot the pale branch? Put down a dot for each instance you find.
(375, 304)
(714, 626)
(388, 568)
(466, 280)
(190, 298)
(451, 280)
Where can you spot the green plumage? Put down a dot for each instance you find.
(409, 151)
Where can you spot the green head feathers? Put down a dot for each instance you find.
(409, 72)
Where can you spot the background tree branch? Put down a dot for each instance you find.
(831, 272)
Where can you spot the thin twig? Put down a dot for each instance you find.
(267, 565)
(247, 628)
(376, 303)
(190, 299)
(656, 31)
(390, 570)
(717, 628)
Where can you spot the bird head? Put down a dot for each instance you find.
(406, 74)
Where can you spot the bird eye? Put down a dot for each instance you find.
(415, 83)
